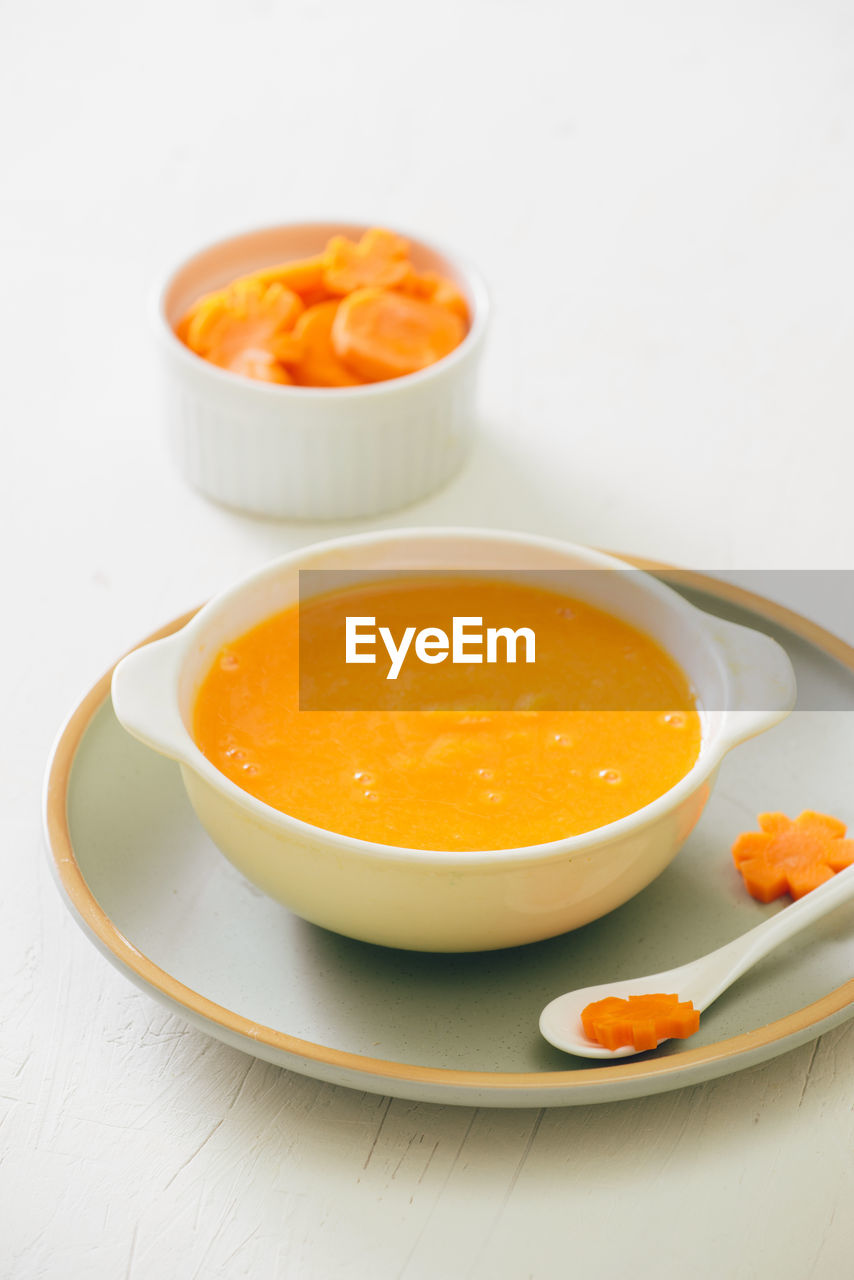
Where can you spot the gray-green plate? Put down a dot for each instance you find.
(165, 907)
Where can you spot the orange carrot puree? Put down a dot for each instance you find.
(467, 779)
(357, 312)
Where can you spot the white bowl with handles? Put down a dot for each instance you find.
(455, 901)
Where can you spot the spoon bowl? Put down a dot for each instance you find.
(700, 981)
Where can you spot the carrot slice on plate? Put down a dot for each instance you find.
(380, 334)
(308, 353)
(639, 1021)
(793, 857)
(379, 260)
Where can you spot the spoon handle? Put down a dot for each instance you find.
(722, 967)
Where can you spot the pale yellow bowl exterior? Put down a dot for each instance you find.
(470, 906)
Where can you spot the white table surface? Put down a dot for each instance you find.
(661, 197)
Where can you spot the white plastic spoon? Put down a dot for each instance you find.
(701, 981)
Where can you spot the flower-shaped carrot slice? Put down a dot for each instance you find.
(435, 288)
(791, 857)
(641, 1021)
(302, 275)
(378, 260)
(308, 353)
(247, 315)
(380, 334)
(254, 362)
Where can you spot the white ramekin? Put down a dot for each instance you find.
(450, 901)
(314, 453)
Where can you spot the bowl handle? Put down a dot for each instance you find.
(761, 680)
(145, 696)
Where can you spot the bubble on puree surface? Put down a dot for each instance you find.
(470, 779)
